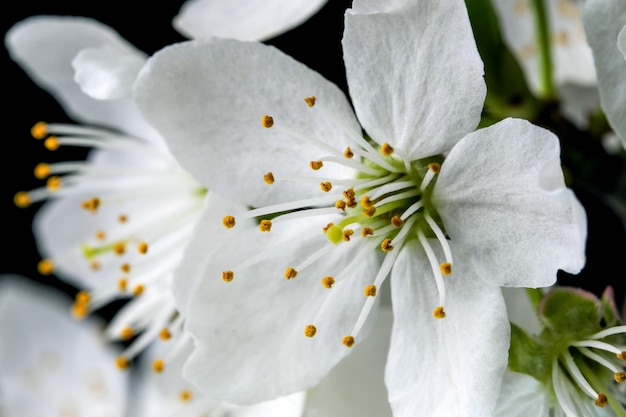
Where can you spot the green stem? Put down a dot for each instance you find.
(547, 90)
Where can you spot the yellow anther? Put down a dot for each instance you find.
(227, 276)
(127, 333)
(328, 282)
(290, 273)
(122, 362)
(386, 149)
(79, 311)
(348, 153)
(119, 248)
(52, 143)
(267, 121)
(185, 395)
(310, 330)
(349, 193)
(122, 218)
(91, 205)
(348, 341)
(94, 265)
(621, 355)
(434, 167)
(265, 226)
(352, 203)
(82, 297)
(22, 199)
(122, 284)
(45, 267)
(341, 205)
(601, 401)
(138, 290)
(446, 268)
(268, 178)
(228, 222)
(310, 101)
(620, 376)
(125, 268)
(315, 165)
(42, 170)
(53, 183)
(370, 291)
(39, 130)
(158, 365)
(165, 334)
(396, 221)
(386, 245)
(346, 234)
(328, 226)
(438, 313)
(100, 235)
(369, 212)
(142, 248)
(367, 231)
(326, 186)
(366, 202)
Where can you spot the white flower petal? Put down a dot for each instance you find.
(249, 333)
(355, 387)
(208, 98)
(451, 366)
(414, 85)
(521, 396)
(247, 20)
(572, 58)
(603, 21)
(44, 46)
(51, 364)
(109, 71)
(503, 202)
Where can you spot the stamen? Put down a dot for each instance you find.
(428, 177)
(22, 199)
(310, 330)
(346, 235)
(577, 376)
(386, 245)
(122, 284)
(267, 121)
(370, 291)
(158, 365)
(348, 341)
(165, 334)
(54, 183)
(434, 167)
(341, 205)
(143, 248)
(122, 362)
(45, 267)
(290, 273)
(369, 212)
(125, 268)
(619, 376)
(42, 171)
(127, 333)
(185, 396)
(228, 222)
(39, 130)
(100, 235)
(386, 149)
(439, 313)
(268, 178)
(265, 225)
(328, 282)
(601, 401)
(52, 143)
(91, 205)
(443, 241)
(396, 221)
(348, 153)
(138, 290)
(94, 265)
(445, 268)
(326, 186)
(366, 202)
(122, 218)
(119, 248)
(367, 231)
(441, 288)
(316, 165)
(310, 101)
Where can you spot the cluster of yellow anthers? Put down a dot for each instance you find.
(387, 202)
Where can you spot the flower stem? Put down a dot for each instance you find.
(544, 45)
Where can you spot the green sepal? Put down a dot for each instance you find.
(570, 314)
(527, 355)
